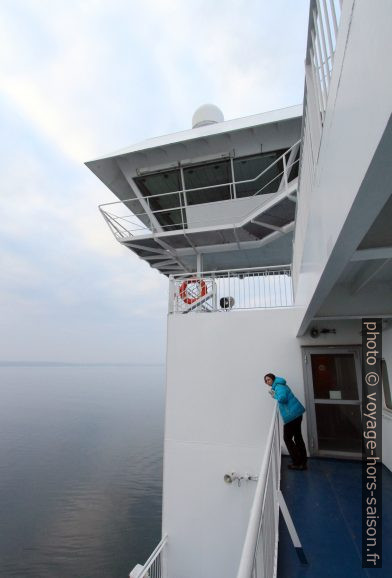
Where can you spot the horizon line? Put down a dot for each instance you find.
(75, 364)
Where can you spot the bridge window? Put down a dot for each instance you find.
(209, 182)
(166, 185)
(216, 175)
(247, 168)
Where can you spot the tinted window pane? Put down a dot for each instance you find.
(172, 220)
(218, 173)
(339, 427)
(159, 184)
(334, 376)
(250, 167)
(386, 385)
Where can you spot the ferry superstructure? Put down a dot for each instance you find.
(275, 233)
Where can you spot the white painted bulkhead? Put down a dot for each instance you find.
(224, 212)
(217, 417)
(353, 173)
(218, 413)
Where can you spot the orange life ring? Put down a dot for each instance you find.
(184, 294)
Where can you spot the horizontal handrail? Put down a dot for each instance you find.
(143, 573)
(181, 206)
(120, 230)
(141, 226)
(160, 195)
(124, 226)
(213, 272)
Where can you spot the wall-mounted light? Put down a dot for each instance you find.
(226, 303)
(230, 478)
(314, 332)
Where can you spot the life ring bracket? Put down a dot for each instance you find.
(188, 298)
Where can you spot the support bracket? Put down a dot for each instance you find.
(291, 528)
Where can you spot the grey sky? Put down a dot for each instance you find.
(80, 78)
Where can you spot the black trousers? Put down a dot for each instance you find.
(293, 439)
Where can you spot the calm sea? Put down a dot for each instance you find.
(80, 470)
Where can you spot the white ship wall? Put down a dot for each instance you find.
(218, 413)
(358, 111)
(224, 212)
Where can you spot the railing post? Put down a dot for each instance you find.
(172, 285)
(323, 44)
(181, 194)
(215, 297)
(199, 264)
(313, 115)
(233, 178)
(291, 528)
(286, 182)
(149, 214)
(329, 34)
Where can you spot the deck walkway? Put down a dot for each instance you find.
(325, 504)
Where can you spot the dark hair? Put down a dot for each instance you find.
(271, 375)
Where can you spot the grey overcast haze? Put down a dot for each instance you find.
(81, 78)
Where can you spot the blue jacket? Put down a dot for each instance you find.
(289, 406)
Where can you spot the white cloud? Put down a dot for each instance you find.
(84, 77)
(89, 79)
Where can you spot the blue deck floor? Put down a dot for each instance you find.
(325, 504)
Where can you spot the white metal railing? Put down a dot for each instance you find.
(237, 289)
(324, 17)
(260, 550)
(322, 36)
(154, 567)
(144, 214)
